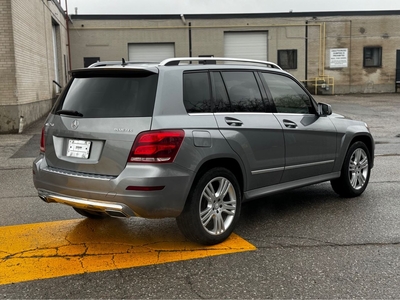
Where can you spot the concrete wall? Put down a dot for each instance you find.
(358, 32)
(29, 61)
(109, 38)
(313, 35)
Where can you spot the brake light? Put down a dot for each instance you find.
(42, 142)
(156, 146)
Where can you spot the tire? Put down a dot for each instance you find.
(91, 214)
(208, 218)
(355, 172)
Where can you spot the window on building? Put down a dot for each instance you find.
(372, 56)
(287, 59)
(87, 61)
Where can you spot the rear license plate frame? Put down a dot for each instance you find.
(79, 148)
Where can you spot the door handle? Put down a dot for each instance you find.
(233, 121)
(289, 124)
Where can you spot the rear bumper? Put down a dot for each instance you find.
(112, 209)
(111, 195)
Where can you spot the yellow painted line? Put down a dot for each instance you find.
(62, 248)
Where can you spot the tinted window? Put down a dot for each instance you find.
(243, 91)
(111, 97)
(288, 96)
(221, 103)
(196, 92)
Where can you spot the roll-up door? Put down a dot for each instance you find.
(151, 52)
(249, 45)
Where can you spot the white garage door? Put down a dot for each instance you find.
(250, 45)
(150, 52)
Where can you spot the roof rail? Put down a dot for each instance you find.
(104, 63)
(120, 63)
(212, 60)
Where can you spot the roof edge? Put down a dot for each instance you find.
(236, 15)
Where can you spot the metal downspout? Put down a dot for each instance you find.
(306, 53)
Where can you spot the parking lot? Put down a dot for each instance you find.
(306, 243)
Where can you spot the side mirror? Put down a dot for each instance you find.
(324, 109)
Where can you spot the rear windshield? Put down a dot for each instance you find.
(111, 97)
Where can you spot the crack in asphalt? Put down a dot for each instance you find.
(322, 243)
(86, 247)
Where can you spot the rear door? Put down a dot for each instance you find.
(310, 139)
(251, 131)
(95, 121)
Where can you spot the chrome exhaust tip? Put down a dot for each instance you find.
(44, 198)
(116, 214)
(118, 210)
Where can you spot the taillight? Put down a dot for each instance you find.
(156, 146)
(42, 142)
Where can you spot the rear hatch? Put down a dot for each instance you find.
(95, 121)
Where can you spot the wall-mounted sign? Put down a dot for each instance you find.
(338, 58)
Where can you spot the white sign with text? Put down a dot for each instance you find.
(338, 58)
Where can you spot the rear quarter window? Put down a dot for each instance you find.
(111, 96)
(196, 92)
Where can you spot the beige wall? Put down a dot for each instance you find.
(355, 33)
(108, 39)
(7, 65)
(30, 60)
(91, 39)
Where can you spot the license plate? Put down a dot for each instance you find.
(78, 148)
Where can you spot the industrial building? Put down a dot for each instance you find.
(330, 52)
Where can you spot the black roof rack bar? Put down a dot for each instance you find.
(177, 60)
(118, 62)
(104, 63)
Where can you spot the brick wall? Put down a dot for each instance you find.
(7, 63)
(29, 65)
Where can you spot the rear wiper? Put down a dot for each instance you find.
(69, 112)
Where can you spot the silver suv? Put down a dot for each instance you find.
(193, 139)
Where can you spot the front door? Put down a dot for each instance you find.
(310, 139)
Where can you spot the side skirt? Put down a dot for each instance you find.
(261, 192)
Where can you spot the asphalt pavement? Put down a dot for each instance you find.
(310, 242)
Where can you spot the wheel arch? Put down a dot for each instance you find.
(228, 163)
(368, 141)
(348, 140)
